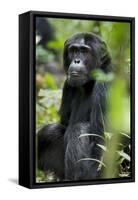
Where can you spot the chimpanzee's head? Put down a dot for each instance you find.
(84, 52)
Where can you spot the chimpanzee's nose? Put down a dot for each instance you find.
(76, 61)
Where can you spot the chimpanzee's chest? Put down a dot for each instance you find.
(80, 109)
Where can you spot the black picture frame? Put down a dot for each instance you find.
(27, 139)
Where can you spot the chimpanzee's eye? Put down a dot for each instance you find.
(73, 49)
(83, 50)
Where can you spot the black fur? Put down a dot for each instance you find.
(64, 148)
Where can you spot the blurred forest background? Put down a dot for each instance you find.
(50, 37)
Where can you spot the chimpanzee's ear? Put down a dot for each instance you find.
(65, 55)
(105, 58)
(101, 54)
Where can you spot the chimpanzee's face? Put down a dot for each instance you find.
(80, 57)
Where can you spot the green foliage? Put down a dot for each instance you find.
(42, 177)
(47, 107)
(92, 159)
(64, 28)
(49, 81)
(120, 100)
(100, 76)
(57, 44)
(43, 56)
(50, 98)
(120, 156)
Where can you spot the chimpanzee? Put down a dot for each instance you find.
(70, 148)
(44, 30)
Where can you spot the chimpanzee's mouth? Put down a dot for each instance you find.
(74, 74)
(76, 79)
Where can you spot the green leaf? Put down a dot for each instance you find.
(56, 44)
(91, 159)
(100, 76)
(124, 155)
(125, 134)
(90, 134)
(102, 147)
(108, 135)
